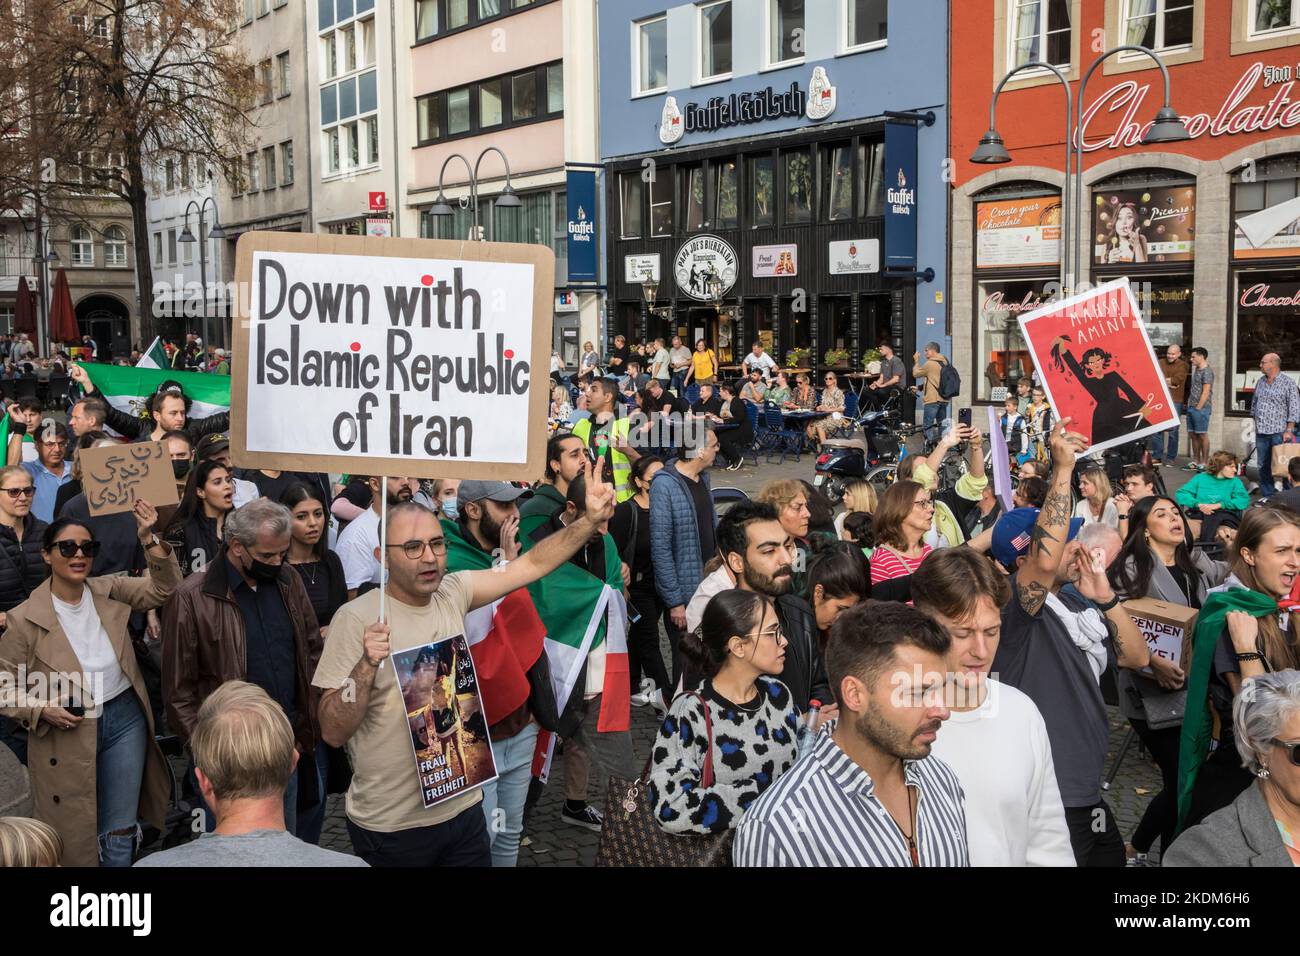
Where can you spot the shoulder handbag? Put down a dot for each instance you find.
(632, 836)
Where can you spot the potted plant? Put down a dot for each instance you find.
(798, 358)
(836, 358)
(871, 361)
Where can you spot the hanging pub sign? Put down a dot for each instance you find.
(900, 196)
(700, 260)
(580, 188)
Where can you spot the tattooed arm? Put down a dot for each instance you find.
(1037, 575)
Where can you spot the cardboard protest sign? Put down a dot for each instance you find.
(1166, 627)
(412, 357)
(115, 476)
(1095, 360)
(444, 713)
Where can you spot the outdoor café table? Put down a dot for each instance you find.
(860, 381)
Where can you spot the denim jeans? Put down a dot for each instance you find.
(936, 413)
(677, 382)
(1171, 446)
(507, 793)
(1264, 458)
(122, 743)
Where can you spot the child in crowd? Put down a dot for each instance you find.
(1013, 430)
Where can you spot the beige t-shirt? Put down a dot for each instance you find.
(385, 792)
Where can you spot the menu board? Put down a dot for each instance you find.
(1139, 226)
(1018, 233)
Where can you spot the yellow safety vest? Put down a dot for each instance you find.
(623, 489)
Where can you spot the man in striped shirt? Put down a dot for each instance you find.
(869, 793)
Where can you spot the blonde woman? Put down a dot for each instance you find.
(1096, 505)
(859, 496)
(27, 842)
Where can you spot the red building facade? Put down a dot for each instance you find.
(1208, 230)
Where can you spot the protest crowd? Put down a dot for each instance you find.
(919, 678)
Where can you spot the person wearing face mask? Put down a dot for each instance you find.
(195, 530)
(359, 540)
(445, 498)
(246, 617)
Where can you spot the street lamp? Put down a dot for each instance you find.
(507, 200)
(216, 232)
(43, 260)
(649, 287)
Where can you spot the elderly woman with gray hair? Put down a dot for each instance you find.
(1262, 826)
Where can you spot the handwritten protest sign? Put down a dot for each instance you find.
(115, 476)
(444, 711)
(419, 357)
(1095, 360)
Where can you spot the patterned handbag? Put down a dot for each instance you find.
(632, 836)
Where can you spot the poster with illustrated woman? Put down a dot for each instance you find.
(1095, 360)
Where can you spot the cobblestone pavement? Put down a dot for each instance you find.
(552, 842)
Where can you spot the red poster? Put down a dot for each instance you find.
(1096, 363)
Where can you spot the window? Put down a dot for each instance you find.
(282, 71)
(249, 6)
(458, 111)
(428, 125)
(489, 104)
(488, 9)
(329, 57)
(350, 123)
(457, 13)
(1272, 16)
(366, 43)
(866, 23)
(1002, 355)
(761, 184)
(114, 246)
(692, 178)
(171, 247)
(523, 95)
(837, 183)
(651, 55)
(434, 17)
(187, 252)
(332, 151)
(268, 167)
(715, 40)
(265, 82)
(1040, 31)
(347, 44)
(286, 163)
(185, 172)
(254, 176)
(83, 247)
(629, 205)
(1159, 24)
(797, 171)
(661, 203)
(726, 194)
(169, 174)
(785, 31)
(157, 248)
(555, 88)
(263, 7)
(871, 179)
(426, 18)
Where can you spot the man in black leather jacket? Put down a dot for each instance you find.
(761, 556)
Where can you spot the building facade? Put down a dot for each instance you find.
(187, 276)
(748, 174)
(1215, 260)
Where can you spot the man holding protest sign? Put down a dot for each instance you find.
(387, 818)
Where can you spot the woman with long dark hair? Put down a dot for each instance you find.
(838, 578)
(1119, 410)
(731, 660)
(195, 530)
(1156, 563)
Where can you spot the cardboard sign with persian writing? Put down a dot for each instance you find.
(410, 357)
(115, 476)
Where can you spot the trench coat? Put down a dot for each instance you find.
(62, 762)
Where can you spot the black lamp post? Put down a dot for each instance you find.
(43, 259)
(216, 232)
(507, 200)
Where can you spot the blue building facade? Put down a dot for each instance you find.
(748, 179)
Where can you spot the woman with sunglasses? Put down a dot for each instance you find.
(22, 568)
(196, 528)
(697, 783)
(832, 403)
(95, 767)
(1155, 563)
(901, 522)
(1262, 826)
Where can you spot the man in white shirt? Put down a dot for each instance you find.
(996, 739)
(760, 360)
(359, 542)
(660, 365)
(679, 361)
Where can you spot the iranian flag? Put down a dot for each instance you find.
(127, 389)
(155, 356)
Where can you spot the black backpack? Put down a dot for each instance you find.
(949, 382)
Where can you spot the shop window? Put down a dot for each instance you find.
(785, 31)
(758, 321)
(761, 181)
(836, 316)
(1040, 31)
(726, 194)
(837, 183)
(1166, 304)
(1001, 354)
(715, 40)
(1267, 319)
(629, 204)
(692, 178)
(796, 331)
(661, 203)
(1159, 24)
(651, 55)
(798, 175)
(871, 179)
(866, 24)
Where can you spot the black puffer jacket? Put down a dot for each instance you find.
(22, 567)
(805, 673)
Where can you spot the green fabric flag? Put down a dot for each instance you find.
(1198, 721)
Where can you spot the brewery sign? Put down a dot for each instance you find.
(699, 260)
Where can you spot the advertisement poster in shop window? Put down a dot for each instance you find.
(1018, 233)
(1096, 363)
(1144, 225)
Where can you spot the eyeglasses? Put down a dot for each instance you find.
(70, 548)
(925, 504)
(27, 492)
(774, 632)
(1292, 749)
(415, 549)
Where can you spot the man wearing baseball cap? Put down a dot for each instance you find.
(516, 686)
(1048, 652)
